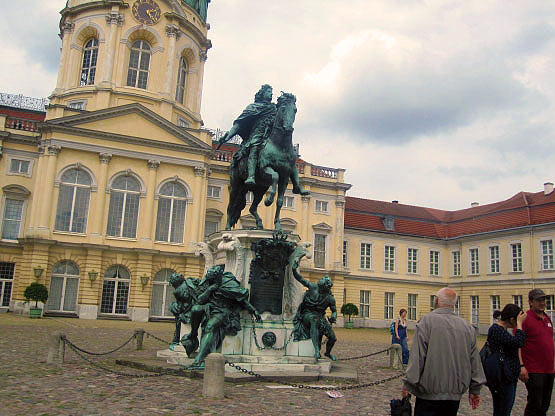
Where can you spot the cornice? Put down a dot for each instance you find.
(203, 42)
(323, 184)
(16, 138)
(503, 282)
(439, 283)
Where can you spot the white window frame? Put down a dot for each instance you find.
(434, 262)
(495, 302)
(517, 262)
(389, 305)
(138, 69)
(164, 285)
(171, 227)
(5, 199)
(474, 263)
(366, 249)
(3, 281)
(494, 259)
(116, 288)
(249, 197)
(546, 254)
(74, 198)
(181, 122)
(95, 46)
(517, 300)
(389, 258)
(432, 302)
(181, 84)
(456, 262)
(457, 307)
(27, 174)
(288, 202)
(77, 105)
(412, 260)
(321, 206)
(124, 204)
(325, 250)
(412, 302)
(210, 192)
(474, 310)
(365, 297)
(65, 278)
(550, 306)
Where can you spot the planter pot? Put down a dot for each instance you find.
(35, 312)
(349, 325)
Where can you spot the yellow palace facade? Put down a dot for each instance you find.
(106, 190)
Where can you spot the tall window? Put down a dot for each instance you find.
(475, 309)
(181, 77)
(162, 294)
(494, 259)
(345, 253)
(412, 262)
(73, 201)
(319, 251)
(88, 68)
(365, 255)
(11, 219)
(139, 63)
(495, 304)
(517, 300)
(412, 306)
(388, 305)
(6, 281)
(456, 263)
(434, 263)
(170, 222)
(123, 212)
(547, 254)
(457, 309)
(115, 290)
(365, 304)
(63, 287)
(389, 260)
(432, 302)
(474, 261)
(550, 306)
(516, 254)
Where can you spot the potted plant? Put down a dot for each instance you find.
(39, 293)
(349, 309)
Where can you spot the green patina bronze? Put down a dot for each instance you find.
(310, 321)
(217, 311)
(266, 158)
(201, 7)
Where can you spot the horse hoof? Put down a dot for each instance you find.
(268, 201)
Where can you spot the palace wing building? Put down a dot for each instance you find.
(106, 188)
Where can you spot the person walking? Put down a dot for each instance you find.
(500, 340)
(537, 356)
(444, 361)
(401, 336)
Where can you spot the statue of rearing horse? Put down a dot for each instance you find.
(276, 166)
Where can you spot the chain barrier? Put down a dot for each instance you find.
(77, 351)
(363, 356)
(148, 334)
(304, 386)
(73, 346)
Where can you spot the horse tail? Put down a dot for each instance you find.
(237, 198)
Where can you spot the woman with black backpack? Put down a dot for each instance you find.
(502, 367)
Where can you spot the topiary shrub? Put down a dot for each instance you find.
(349, 309)
(37, 292)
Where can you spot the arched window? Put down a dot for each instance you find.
(170, 223)
(162, 294)
(115, 290)
(181, 77)
(88, 69)
(64, 284)
(124, 207)
(73, 201)
(139, 62)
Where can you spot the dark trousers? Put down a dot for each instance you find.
(424, 407)
(404, 347)
(539, 388)
(503, 399)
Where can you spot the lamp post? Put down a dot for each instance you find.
(38, 271)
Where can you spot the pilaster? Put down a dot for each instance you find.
(149, 218)
(36, 192)
(172, 32)
(197, 205)
(115, 20)
(65, 34)
(97, 216)
(43, 227)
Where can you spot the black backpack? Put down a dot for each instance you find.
(401, 407)
(495, 368)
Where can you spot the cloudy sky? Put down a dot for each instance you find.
(430, 102)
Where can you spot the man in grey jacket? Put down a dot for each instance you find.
(444, 361)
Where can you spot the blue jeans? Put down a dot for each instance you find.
(404, 347)
(503, 399)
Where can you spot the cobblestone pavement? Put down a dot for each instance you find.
(29, 386)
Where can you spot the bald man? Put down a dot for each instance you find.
(444, 361)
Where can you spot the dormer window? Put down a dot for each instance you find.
(88, 69)
(139, 64)
(389, 223)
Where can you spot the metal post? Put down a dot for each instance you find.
(56, 348)
(395, 355)
(213, 385)
(139, 336)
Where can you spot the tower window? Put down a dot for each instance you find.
(88, 69)
(139, 63)
(181, 76)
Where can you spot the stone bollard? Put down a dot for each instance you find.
(56, 348)
(395, 356)
(213, 385)
(139, 336)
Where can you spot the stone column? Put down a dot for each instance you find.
(115, 20)
(65, 31)
(48, 190)
(196, 214)
(149, 215)
(99, 209)
(172, 32)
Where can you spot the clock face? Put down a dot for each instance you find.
(146, 11)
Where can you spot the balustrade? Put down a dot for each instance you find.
(22, 124)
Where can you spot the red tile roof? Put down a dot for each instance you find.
(520, 210)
